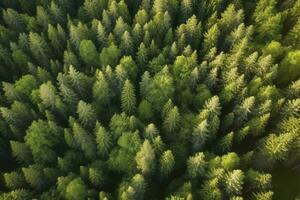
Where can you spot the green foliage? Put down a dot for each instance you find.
(167, 162)
(110, 55)
(14, 180)
(234, 182)
(21, 152)
(103, 140)
(42, 138)
(171, 120)
(76, 189)
(34, 177)
(88, 52)
(85, 141)
(86, 114)
(289, 68)
(196, 165)
(128, 98)
(148, 99)
(230, 161)
(145, 158)
(160, 89)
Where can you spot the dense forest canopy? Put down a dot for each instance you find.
(148, 99)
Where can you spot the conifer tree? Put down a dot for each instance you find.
(88, 52)
(86, 114)
(95, 176)
(39, 48)
(94, 8)
(34, 177)
(126, 43)
(172, 120)
(167, 162)
(234, 182)
(21, 152)
(13, 20)
(128, 98)
(76, 190)
(145, 158)
(196, 165)
(103, 140)
(211, 38)
(85, 141)
(42, 138)
(110, 55)
(14, 180)
(148, 99)
(101, 34)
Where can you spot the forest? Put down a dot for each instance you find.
(149, 99)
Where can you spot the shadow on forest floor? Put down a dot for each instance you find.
(286, 183)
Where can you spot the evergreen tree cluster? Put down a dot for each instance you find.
(147, 99)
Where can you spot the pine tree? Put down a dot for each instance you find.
(268, 22)
(120, 28)
(289, 65)
(145, 111)
(57, 37)
(160, 6)
(151, 132)
(85, 141)
(292, 37)
(88, 52)
(167, 162)
(101, 91)
(234, 181)
(96, 176)
(128, 98)
(172, 120)
(123, 11)
(21, 152)
(257, 180)
(33, 175)
(57, 13)
(230, 161)
(138, 182)
(292, 108)
(200, 135)
(196, 165)
(94, 8)
(86, 114)
(39, 48)
(42, 17)
(76, 190)
(226, 143)
(230, 19)
(78, 33)
(110, 55)
(101, 34)
(13, 20)
(264, 195)
(47, 93)
(145, 158)
(17, 194)
(103, 140)
(211, 38)
(210, 190)
(161, 89)
(141, 17)
(245, 109)
(126, 43)
(186, 8)
(14, 180)
(42, 138)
